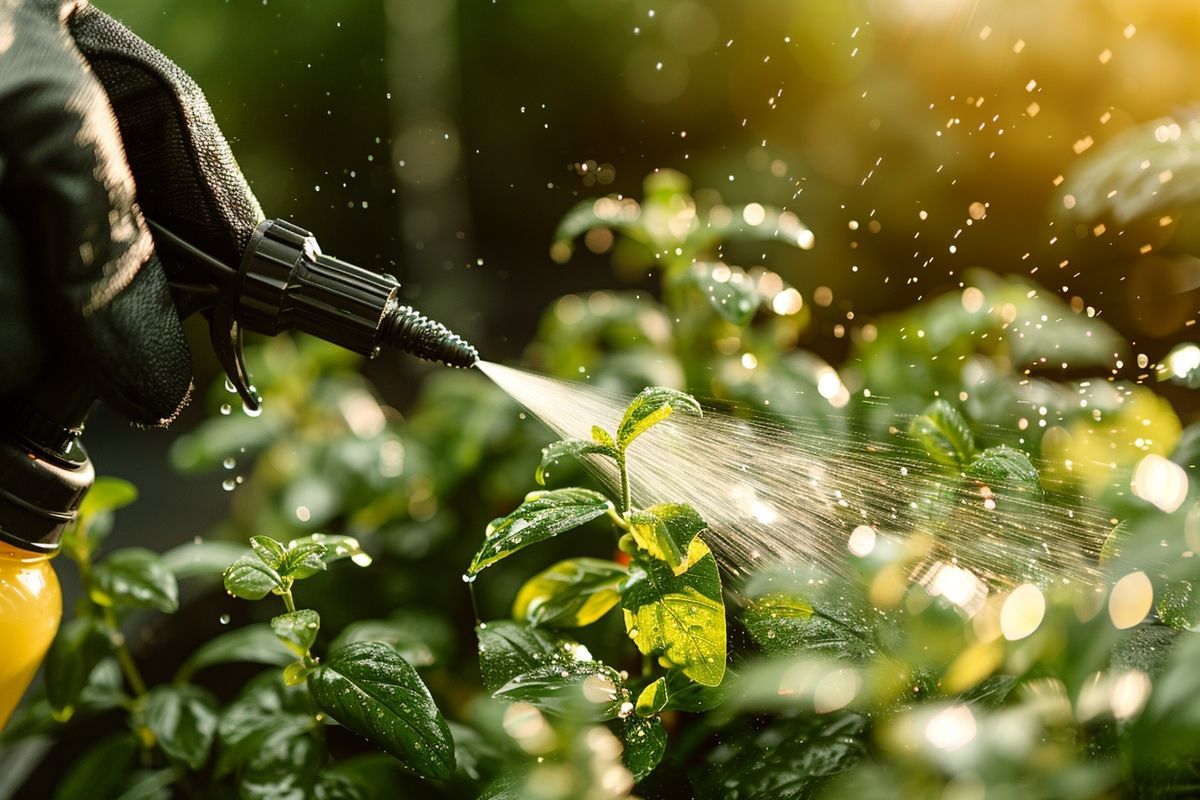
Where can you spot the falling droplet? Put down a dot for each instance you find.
(468, 578)
(223, 619)
(228, 484)
(226, 409)
(229, 463)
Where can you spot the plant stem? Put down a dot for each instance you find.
(288, 601)
(124, 657)
(626, 500)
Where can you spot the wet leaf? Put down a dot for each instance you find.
(1004, 467)
(729, 290)
(575, 448)
(75, 652)
(653, 699)
(784, 624)
(266, 714)
(653, 405)
(335, 548)
(253, 644)
(508, 649)
(375, 693)
(543, 515)
(297, 629)
(570, 594)
(184, 721)
(944, 434)
(680, 618)
(270, 551)
(665, 531)
(645, 743)
(577, 690)
(303, 560)
(134, 576)
(251, 579)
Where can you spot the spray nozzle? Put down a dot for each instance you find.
(285, 282)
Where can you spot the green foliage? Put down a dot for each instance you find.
(570, 594)
(944, 434)
(543, 515)
(368, 688)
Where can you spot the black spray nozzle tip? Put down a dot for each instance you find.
(405, 328)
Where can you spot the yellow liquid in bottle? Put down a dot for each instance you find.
(30, 609)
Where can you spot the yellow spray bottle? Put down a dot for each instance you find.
(44, 474)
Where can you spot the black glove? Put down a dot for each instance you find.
(98, 128)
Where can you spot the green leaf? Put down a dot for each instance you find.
(543, 515)
(134, 576)
(570, 594)
(266, 714)
(653, 699)
(508, 649)
(786, 760)
(944, 434)
(373, 692)
(253, 644)
(202, 558)
(251, 579)
(665, 531)
(183, 719)
(681, 618)
(576, 448)
(653, 405)
(100, 772)
(107, 494)
(288, 769)
(270, 551)
(297, 629)
(684, 694)
(75, 652)
(785, 624)
(150, 784)
(1006, 467)
(421, 638)
(580, 690)
(730, 291)
(603, 437)
(304, 561)
(645, 743)
(336, 548)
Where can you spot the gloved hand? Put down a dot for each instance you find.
(97, 129)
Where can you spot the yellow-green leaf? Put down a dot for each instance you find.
(680, 618)
(653, 405)
(570, 594)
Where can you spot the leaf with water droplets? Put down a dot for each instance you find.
(665, 531)
(577, 448)
(1004, 467)
(251, 579)
(645, 743)
(570, 594)
(297, 629)
(135, 576)
(270, 551)
(653, 699)
(508, 649)
(304, 560)
(679, 617)
(335, 548)
(543, 515)
(730, 291)
(579, 690)
(603, 437)
(786, 624)
(372, 691)
(264, 716)
(944, 434)
(651, 406)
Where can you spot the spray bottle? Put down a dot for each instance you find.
(284, 282)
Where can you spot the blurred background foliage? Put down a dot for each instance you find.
(788, 205)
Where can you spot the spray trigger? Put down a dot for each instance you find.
(226, 335)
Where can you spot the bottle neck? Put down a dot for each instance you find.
(44, 469)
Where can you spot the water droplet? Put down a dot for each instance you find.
(230, 462)
(468, 578)
(223, 619)
(228, 484)
(226, 409)
(251, 412)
